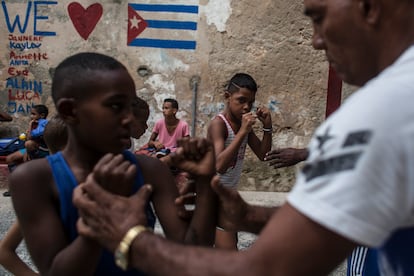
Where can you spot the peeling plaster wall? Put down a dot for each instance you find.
(269, 39)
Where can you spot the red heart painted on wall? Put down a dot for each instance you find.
(84, 20)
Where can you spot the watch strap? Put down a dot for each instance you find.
(122, 251)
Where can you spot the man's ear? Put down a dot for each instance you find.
(66, 108)
(370, 10)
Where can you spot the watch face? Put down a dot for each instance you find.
(120, 260)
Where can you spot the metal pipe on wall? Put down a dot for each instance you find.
(194, 83)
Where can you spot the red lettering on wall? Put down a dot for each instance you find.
(17, 72)
(18, 95)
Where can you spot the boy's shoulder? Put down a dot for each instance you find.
(150, 166)
(217, 128)
(218, 121)
(34, 168)
(32, 176)
(37, 166)
(145, 161)
(156, 173)
(160, 120)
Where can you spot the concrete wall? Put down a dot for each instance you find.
(269, 39)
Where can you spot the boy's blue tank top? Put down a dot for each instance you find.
(66, 183)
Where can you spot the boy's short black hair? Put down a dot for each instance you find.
(42, 110)
(241, 80)
(138, 106)
(173, 102)
(55, 134)
(72, 75)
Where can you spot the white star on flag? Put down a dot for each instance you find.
(135, 22)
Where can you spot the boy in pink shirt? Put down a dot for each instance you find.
(168, 130)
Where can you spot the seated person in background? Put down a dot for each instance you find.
(168, 130)
(35, 145)
(55, 136)
(141, 111)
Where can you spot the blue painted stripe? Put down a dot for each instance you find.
(165, 8)
(166, 24)
(163, 43)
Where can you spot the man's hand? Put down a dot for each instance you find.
(233, 208)
(115, 174)
(106, 217)
(286, 157)
(195, 156)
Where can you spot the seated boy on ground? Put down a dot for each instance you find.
(55, 136)
(168, 130)
(93, 94)
(34, 137)
(34, 147)
(139, 126)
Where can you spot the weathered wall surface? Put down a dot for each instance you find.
(269, 39)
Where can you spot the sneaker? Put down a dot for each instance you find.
(162, 153)
(6, 193)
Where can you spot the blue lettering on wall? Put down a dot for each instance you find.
(38, 17)
(13, 107)
(23, 84)
(17, 19)
(24, 45)
(22, 27)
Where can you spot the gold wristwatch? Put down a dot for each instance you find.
(122, 251)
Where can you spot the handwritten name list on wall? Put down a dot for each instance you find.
(25, 48)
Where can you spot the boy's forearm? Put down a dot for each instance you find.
(155, 255)
(12, 262)
(71, 260)
(256, 218)
(266, 144)
(202, 226)
(8, 256)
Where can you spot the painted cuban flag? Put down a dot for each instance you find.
(163, 25)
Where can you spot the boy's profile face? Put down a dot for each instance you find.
(139, 124)
(34, 115)
(104, 117)
(168, 110)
